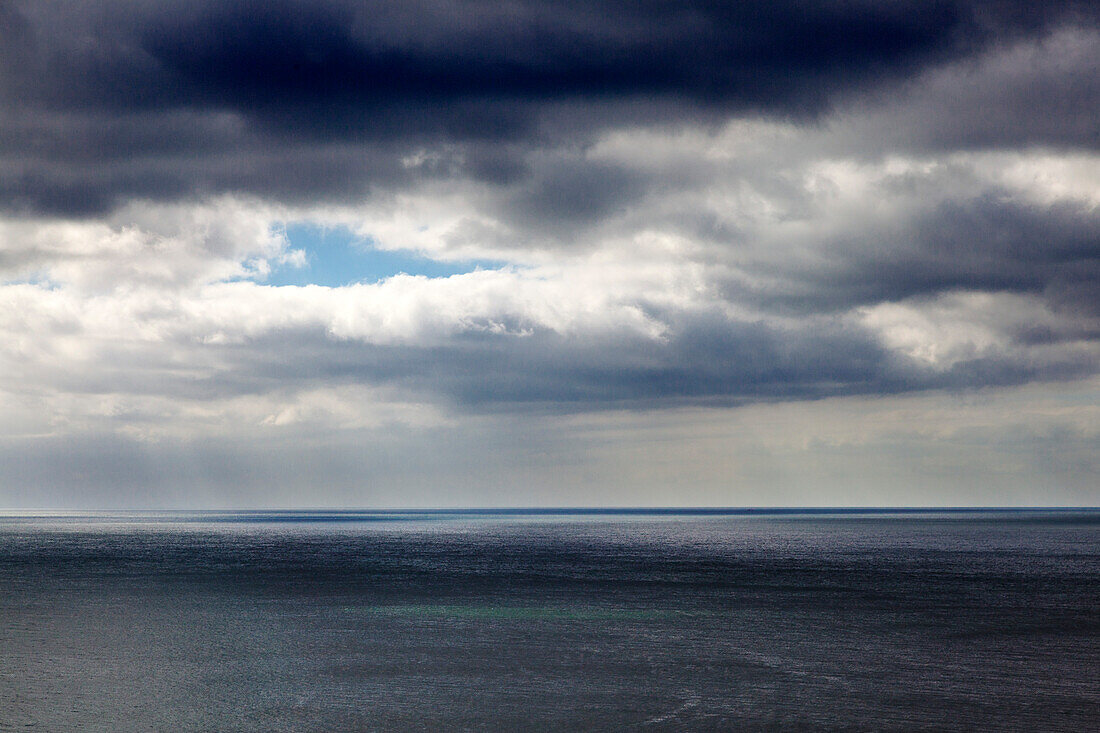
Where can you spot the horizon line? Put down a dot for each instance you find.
(544, 510)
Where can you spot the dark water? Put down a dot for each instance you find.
(961, 621)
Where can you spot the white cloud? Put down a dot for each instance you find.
(167, 246)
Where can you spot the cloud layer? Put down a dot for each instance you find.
(162, 100)
(702, 206)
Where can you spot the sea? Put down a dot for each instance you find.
(732, 620)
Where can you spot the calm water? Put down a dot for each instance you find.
(966, 621)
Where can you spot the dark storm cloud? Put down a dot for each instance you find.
(162, 100)
(570, 194)
(278, 55)
(708, 361)
(988, 243)
(1044, 92)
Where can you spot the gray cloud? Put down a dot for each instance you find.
(988, 243)
(299, 100)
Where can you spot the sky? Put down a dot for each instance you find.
(446, 253)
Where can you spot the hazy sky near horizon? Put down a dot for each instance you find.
(462, 253)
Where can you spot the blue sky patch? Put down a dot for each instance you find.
(336, 256)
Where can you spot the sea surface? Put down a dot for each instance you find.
(330, 621)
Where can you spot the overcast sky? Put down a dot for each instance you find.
(465, 253)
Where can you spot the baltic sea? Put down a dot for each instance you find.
(299, 621)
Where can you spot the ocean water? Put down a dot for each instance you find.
(450, 621)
